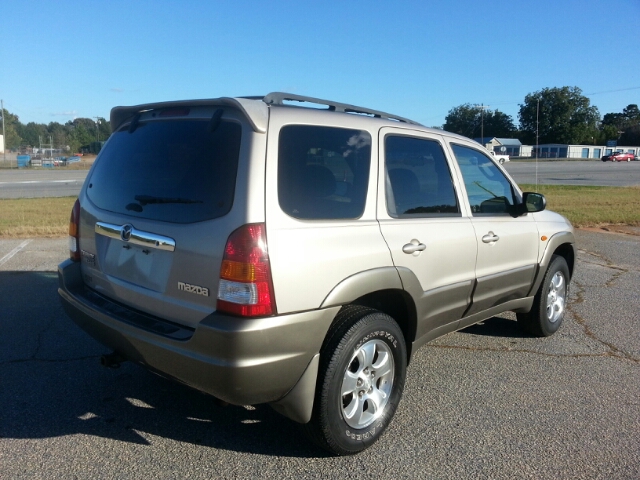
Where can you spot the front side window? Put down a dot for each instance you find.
(323, 172)
(418, 179)
(488, 189)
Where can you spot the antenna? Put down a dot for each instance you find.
(537, 138)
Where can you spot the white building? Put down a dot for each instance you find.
(513, 148)
(1, 143)
(505, 146)
(556, 150)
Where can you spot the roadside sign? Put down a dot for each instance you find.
(612, 143)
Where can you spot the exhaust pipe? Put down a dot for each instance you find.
(112, 360)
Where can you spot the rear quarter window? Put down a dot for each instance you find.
(174, 171)
(323, 172)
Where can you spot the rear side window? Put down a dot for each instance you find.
(174, 171)
(323, 172)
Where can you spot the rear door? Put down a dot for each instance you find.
(432, 243)
(320, 202)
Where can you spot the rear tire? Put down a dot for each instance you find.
(549, 304)
(360, 381)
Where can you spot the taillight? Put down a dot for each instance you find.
(74, 233)
(246, 287)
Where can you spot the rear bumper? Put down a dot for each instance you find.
(240, 361)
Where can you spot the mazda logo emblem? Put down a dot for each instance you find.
(125, 234)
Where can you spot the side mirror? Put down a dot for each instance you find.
(531, 202)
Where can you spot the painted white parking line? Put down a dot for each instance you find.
(10, 255)
(39, 181)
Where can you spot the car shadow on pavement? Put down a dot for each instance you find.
(499, 326)
(52, 384)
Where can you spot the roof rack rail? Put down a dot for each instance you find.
(278, 98)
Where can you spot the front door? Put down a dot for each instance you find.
(507, 246)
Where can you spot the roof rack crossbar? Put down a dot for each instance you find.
(279, 98)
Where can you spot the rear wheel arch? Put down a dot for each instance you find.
(399, 305)
(389, 297)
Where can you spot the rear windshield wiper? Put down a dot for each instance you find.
(149, 199)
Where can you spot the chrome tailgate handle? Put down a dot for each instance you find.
(128, 234)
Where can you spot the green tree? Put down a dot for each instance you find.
(498, 124)
(624, 127)
(34, 134)
(104, 129)
(471, 121)
(560, 115)
(81, 132)
(59, 135)
(11, 125)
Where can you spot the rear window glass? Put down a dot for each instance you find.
(175, 171)
(323, 172)
(419, 180)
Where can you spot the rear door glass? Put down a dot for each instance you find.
(418, 178)
(175, 171)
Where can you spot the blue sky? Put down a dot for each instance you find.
(68, 58)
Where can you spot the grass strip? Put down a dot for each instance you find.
(587, 206)
(35, 217)
(583, 206)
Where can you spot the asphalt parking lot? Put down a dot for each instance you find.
(486, 402)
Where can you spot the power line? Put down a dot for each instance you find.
(613, 91)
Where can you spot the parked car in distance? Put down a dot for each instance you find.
(500, 158)
(264, 252)
(618, 157)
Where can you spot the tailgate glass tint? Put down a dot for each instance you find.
(174, 171)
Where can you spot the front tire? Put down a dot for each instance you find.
(360, 382)
(549, 305)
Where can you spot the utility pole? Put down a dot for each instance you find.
(482, 107)
(97, 128)
(4, 138)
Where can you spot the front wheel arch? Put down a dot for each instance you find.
(550, 301)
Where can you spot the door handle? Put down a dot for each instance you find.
(490, 238)
(415, 247)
